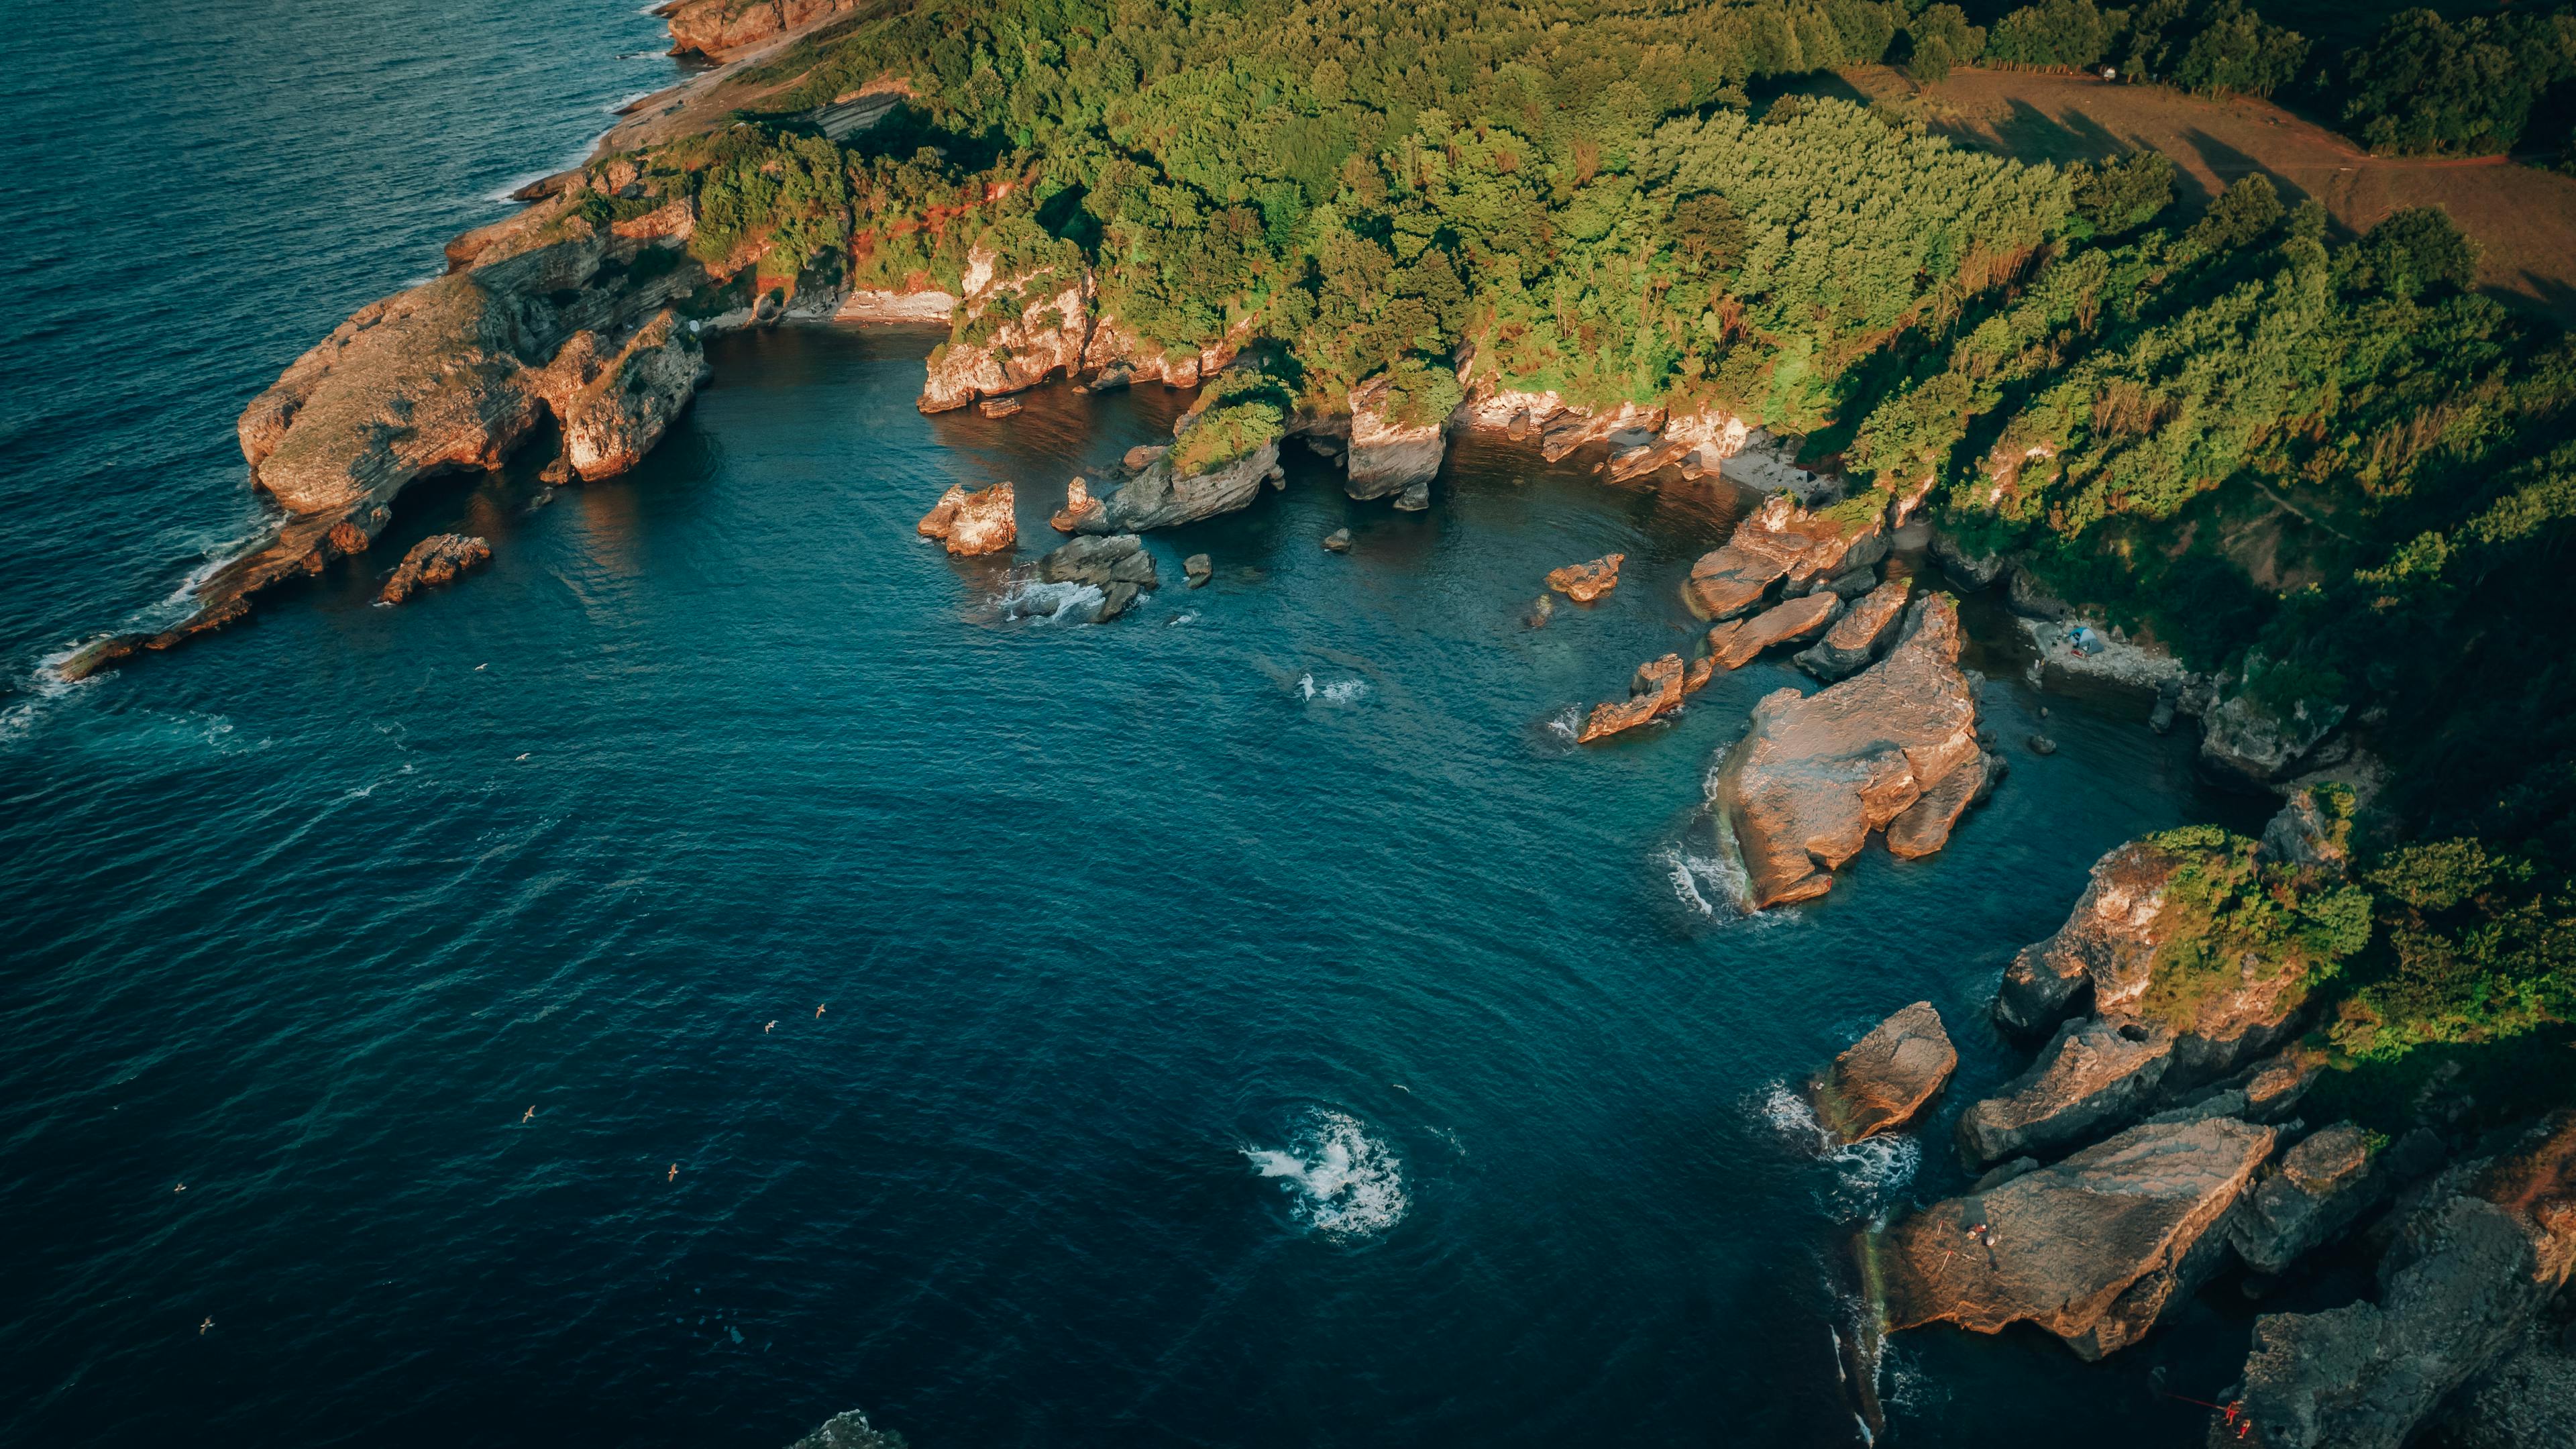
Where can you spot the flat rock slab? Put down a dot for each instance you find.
(1585, 582)
(1779, 541)
(1738, 642)
(2093, 1075)
(1860, 635)
(2091, 1249)
(1888, 1076)
(1815, 774)
(435, 561)
(1656, 689)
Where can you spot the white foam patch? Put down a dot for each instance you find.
(1868, 1176)
(1566, 724)
(1043, 603)
(1333, 691)
(1346, 1183)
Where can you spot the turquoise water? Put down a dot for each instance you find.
(1246, 1023)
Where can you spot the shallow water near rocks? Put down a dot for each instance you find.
(1250, 1022)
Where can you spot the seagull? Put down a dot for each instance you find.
(818, 1013)
(202, 1327)
(183, 1187)
(766, 1030)
(1401, 1087)
(522, 757)
(479, 668)
(530, 1117)
(675, 1173)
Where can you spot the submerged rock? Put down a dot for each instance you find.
(1656, 689)
(1585, 582)
(849, 1430)
(2474, 1261)
(1738, 642)
(1888, 1076)
(981, 522)
(435, 561)
(1541, 609)
(1815, 774)
(2091, 1249)
(1339, 540)
(1860, 635)
(1780, 541)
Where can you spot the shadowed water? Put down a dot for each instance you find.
(1250, 1022)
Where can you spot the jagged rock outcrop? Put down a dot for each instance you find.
(1390, 458)
(2093, 1076)
(2313, 829)
(2112, 935)
(435, 562)
(2487, 1245)
(984, 521)
(1888, 1077)
(1694, 443)
(1011, 333)
(1559, 429)
(1969, 570)
(1656, 689)
(1779, 541)
(1815, 774)
(2326, 1181)
(1116, 564)
(2526, 1397)
(1585, 582)
(1156, 498)
(1078, 505)
(1860, 635)
(1116, 357)
(2091, 1249)
(452, 374)
(615, 407)
(713, 27)
(2244, 737)
(1738, 642)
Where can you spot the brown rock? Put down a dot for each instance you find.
(714, 27)
(1585, 582)
(1858, 637)
(998, 407)
(1924, 826)
(1814, 775)
(2111, 935)
(614, 408)
(1046, 317)
(1078, 505)
(1388, 458)
(2093, 1075)
(973, 523)
(1737, 642)
(1142, 456)
(2090, 1249)
(434, 562)
(1887, 1077)
(1779, 541)
(1657, 689)
(1701, 671)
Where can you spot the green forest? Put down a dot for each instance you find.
(2316, 464)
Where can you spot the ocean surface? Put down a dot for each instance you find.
(729, 963)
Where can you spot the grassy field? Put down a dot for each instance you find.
(2523, 217)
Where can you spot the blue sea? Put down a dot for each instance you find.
(729, 963)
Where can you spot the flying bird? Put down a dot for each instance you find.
(202, 1327)
(530, 1117)
(766, 1030)
(675, 1173)
(818, 1013)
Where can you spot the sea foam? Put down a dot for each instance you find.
(1345, 1183)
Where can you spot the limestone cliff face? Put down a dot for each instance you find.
(1012, 333)
(542, 313)
(1894, 748)
(2112, 935)
(713, 27)
(1391, 459)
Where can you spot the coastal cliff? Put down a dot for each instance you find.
(716, 28)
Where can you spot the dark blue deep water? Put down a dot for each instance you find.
(1249, 1023)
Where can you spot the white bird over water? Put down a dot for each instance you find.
(766, 1030)
(818, 1013)
(202, 1327)
(530, 1117)
(523, 756)
(675, 1173)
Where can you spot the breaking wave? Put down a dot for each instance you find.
(1345, 1183)
(1868, 1176)
(1338, 691)
(1043, 603)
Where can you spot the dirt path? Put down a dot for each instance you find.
(2523, 217)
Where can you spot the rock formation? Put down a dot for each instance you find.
(1780, 541)
(2486, 1246)
(2095, 1075)
(713, 27)
(2112, 935)
(2327, 1180)
(1157, 499)
(1887, 1078)
(1969, 570)
(981, 522)
(1860, 635)
(1815, 774)
(1197, 569)
(2090, 1249)
(451, 374)
(1012, 333)
(1738, 642)
(1338, 541)
(1585, 582)
(1078, 505)
(434, 562)
(1389, 458)
(1656, 689)
(1116, 564)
